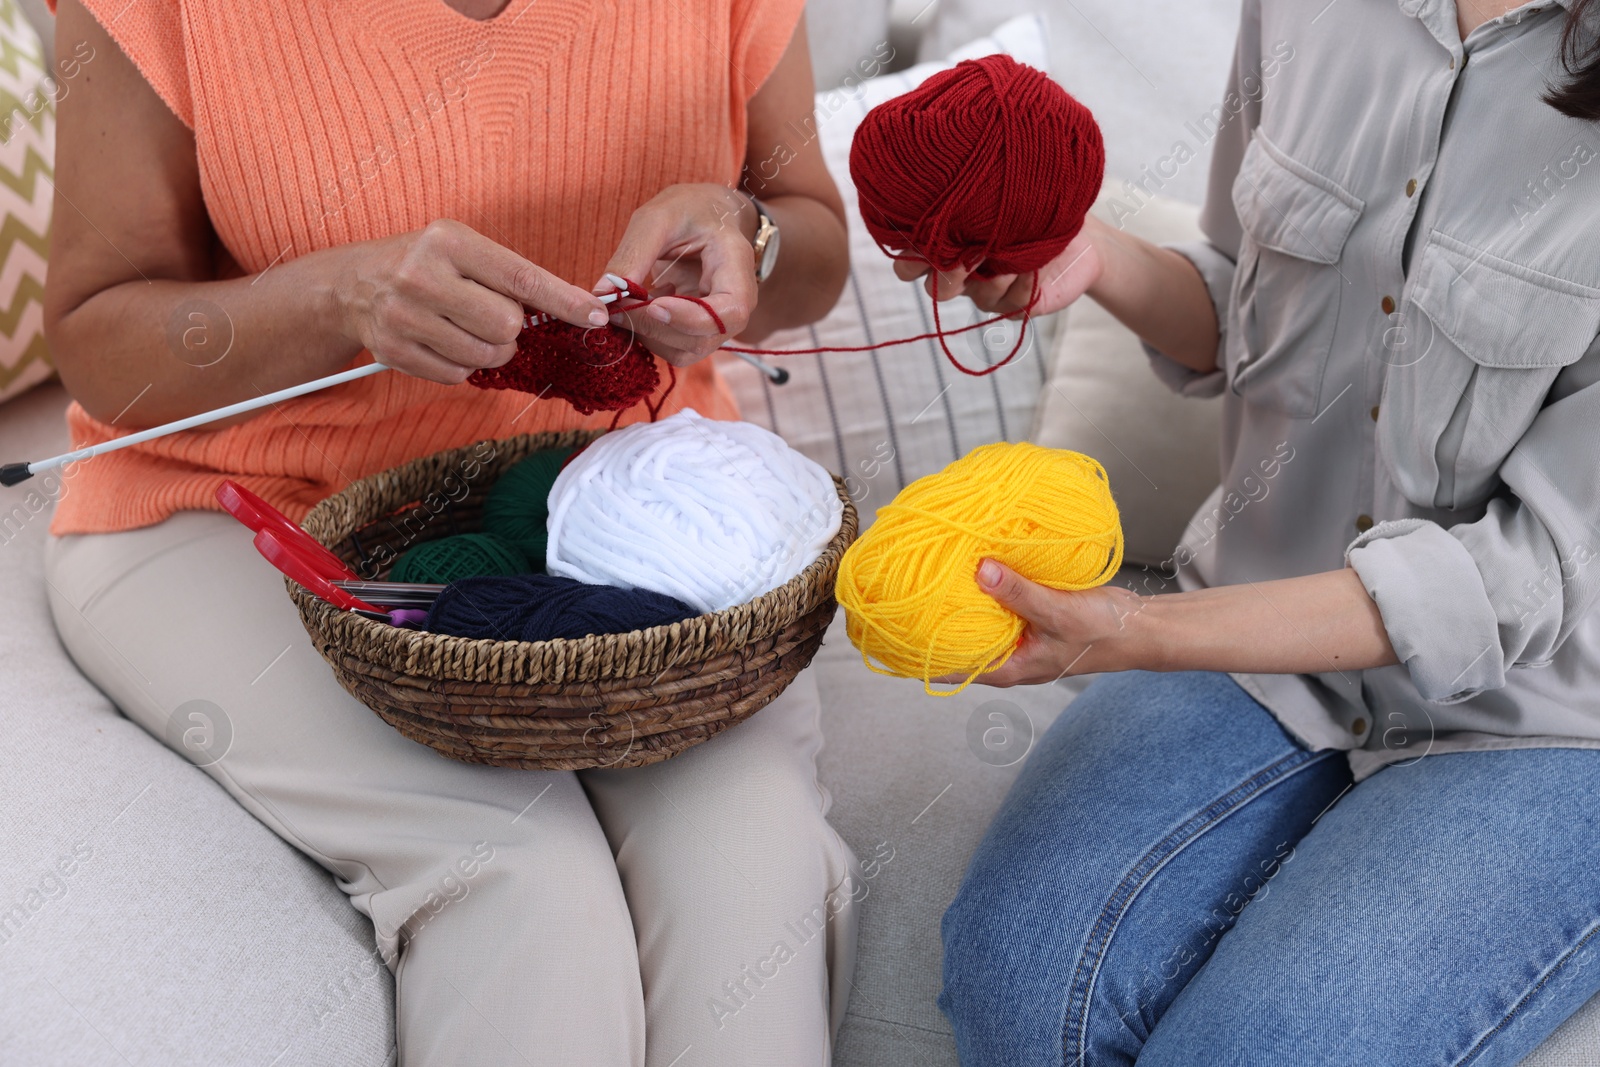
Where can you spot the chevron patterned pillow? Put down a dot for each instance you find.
(28, 95)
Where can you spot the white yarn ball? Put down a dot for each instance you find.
(712, 513)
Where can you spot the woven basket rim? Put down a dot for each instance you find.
(611, 657)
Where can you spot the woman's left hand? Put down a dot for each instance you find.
(689, 240)
(1068, 632)
(1052, 287)
(1305, 625)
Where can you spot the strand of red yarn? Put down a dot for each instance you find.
(989, 166)
(939, 333)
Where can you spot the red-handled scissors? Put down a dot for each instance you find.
(261, 516)
(300, 558)
(293, 563)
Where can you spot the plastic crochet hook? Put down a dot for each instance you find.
(259, 515)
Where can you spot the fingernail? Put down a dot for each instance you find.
(598, 317)
(989, 573)
(660, 314)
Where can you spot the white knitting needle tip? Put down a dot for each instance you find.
(777, 374)
(12, 473)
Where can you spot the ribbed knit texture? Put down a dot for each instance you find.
(323, 123)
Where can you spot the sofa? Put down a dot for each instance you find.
(145, 918)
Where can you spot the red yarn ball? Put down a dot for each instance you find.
(989, 165)
(601, 368)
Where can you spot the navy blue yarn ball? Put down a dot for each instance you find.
(543, 607)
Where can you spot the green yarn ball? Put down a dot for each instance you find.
(450, 559)
(517, 508)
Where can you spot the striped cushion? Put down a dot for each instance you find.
(27, 151)
(882, 419)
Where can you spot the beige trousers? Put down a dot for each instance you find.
(694, 912)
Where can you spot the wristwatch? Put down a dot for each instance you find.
(766, 241)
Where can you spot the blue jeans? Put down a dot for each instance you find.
(1173, 880)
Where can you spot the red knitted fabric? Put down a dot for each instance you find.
(595, 368)
(989, 165)
(602, 368)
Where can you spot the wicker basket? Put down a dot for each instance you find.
(621, 700)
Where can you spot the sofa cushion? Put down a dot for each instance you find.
(144, 916)
(915, 780)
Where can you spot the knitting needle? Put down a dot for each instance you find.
(777, 374)
(16, 473)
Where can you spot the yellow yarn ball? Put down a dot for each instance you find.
(909, 586)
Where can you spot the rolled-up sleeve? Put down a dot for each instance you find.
(1464, 606)
(1215, 258)
(1216, 270)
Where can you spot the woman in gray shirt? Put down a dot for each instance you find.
(1379, 706)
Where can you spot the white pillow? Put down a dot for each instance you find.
(882, 419)
(1159, 449)
(1151, 72)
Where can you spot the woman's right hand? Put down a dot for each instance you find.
(1060, 282)
(444, 301)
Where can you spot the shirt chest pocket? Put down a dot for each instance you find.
(1489, 338)
(1288, 286)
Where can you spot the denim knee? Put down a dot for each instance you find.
(996, 995)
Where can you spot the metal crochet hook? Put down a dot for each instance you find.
(393, 594)
(777, 374)
(17, 473)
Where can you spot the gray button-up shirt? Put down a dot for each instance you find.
(1404, 252)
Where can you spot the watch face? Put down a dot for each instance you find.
(769, 255)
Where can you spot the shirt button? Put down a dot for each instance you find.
(1358, 727)
(1411, 187)
(1363, 523)
(1388, 305)
(1374, 413)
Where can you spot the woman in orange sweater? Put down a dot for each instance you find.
(252, 196)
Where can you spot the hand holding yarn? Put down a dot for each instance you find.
(989, 166)
(1051, 288)
(986, 169)
(1082, 631)
(711, 513)
(908, 587)
(687, 240)
(443, 301)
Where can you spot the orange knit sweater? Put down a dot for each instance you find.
(321, 122)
